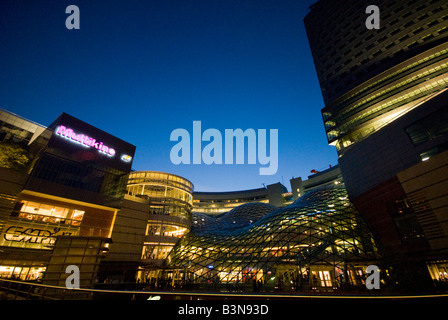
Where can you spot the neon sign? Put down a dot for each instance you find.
(85, 140)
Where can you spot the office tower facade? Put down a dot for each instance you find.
(330, 176)
(369, 77)
(386, 104)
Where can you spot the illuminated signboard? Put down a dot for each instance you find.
(126, 158)
(33, 237)
(84, 140)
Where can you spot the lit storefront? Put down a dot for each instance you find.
(21, 273)
(36, 221)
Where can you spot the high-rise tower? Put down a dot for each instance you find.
(386, 111)
(369, 77)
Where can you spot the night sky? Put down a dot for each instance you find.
(140, 69)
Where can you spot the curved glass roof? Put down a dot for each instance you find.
(321, 227)
(239, 217)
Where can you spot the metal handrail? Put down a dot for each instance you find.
(7, 289)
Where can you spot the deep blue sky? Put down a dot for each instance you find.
(140, 69)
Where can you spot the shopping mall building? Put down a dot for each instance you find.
(216, 203)
(60, 190)
(68, 195)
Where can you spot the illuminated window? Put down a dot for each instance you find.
(21, 273)
(49, 213)
(325, 278)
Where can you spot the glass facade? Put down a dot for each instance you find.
(22, 273)
(48, 213)
(430, 128)
(90, 178)
(238, 217)
(84, 253)
(169, 202)
(368, 110)
(318, 241)
(16, 129)
(385, 93)
(369, 78)
(168, 194)
(216, 203)
(74, 162)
